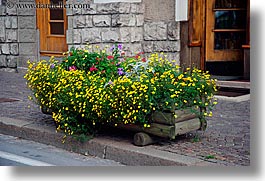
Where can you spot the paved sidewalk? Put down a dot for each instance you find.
(225, 142)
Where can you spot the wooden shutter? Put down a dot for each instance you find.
(196, 22)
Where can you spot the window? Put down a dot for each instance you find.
(230, 24)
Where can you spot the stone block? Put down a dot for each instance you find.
(79, 21)
(11, 11)
(26, 11)
(76, 36)
(102, 20)
(3, 61)
(124, 20)
(148, 46)
(14, 48)
(2, 10)
(69, 11)
(27, 35)
(108, 8)
(91, 35)
(137, 8)
(139, 20)
(101, 46)
(159, 10)
(89, 22)
(136, 34)
(110, 35)
(115, 19)
(11, 22)
(2, 29)
(132, 48)
(29, 49)
(167, 46)
(11, 35)
(125, 33)
(82, 21)
(70, 46)
(27, 22)
(136, 48)
(125, 8)
(69, 36)
(174, 56)
(5, 49)
(12, 61)
(70, 22)
(23, 59)
(92, 9)
(155, 31)
(77, 11)
(173, 31)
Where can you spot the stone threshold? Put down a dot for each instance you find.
(233, 84)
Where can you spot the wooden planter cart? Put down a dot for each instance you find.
(165, 125)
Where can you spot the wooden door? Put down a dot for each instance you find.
(52, 24)
(225, 30)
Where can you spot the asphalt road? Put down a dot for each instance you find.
(18, 152)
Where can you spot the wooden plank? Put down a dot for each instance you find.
(163, 117)
(184, 114)
(228, 30)
(164, 131)
(168, 117)
(187, 126)
(195, 22)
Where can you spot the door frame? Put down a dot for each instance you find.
(222, 55)
(42, 20)
(197, 28)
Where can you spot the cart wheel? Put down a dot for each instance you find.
(142, 139)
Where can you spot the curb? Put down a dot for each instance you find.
(118, 151)
(234, 99)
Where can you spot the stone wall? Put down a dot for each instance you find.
(148, 26)
(131, 24)
(18, 38)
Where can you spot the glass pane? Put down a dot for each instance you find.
(230, 4)
(228, 40)
(56, 1)
(56, 14)
(57, 28)
(230, 19)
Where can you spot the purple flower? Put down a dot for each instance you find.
(120, 71)
(52, 66)
(112, 48)
(120, 46)
(110, 82)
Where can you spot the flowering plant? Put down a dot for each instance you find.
(99, 61)
(91, 88)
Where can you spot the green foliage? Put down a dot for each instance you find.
(210, 157)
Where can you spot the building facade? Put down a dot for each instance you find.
(209, 34)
